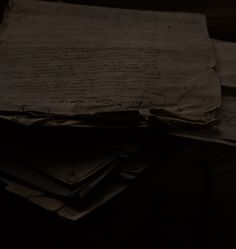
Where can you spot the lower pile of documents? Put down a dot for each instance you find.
(72, 181)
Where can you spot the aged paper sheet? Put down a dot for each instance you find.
(71, 60)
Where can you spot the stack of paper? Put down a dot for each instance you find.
(74, 182)
(93, 67)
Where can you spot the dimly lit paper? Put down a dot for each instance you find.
(71, 60)
(30, 177)
(68, 181)
(79, 180)
(59, 207)
(226, 54)
(225, 131)
(73, 170)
